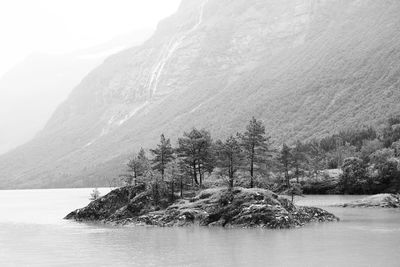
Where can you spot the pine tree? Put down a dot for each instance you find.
(195, 151)
(205, 154)
(229, 156)
(255, 146)
(163, 154)
(137, 166)
(187, 153)
(175, 174)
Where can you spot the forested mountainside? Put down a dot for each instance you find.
(307, 68)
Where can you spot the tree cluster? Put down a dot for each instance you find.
(369, 159)
(196, 157)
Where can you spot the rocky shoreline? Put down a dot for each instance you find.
(238, 207)
(375, 201)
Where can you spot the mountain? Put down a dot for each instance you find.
(307, 68)
(31, 91)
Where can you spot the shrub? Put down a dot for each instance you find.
(94, 195)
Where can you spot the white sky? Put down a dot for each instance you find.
(60, 26)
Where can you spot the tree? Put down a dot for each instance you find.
(336, 157)
(144, 161)
(175, 174)
(389, 172)
(391, 133)
(205, 154)
(354, 178)
(187, 152)
(137, 166)
(294, 190)
(163, 154)
(286, 158)
(195, 149)
(299, 158)
(381, 156)
(369, 147)
(229, 157)
(396, 148)
(383, 161)
(254, 144)
(153, 183)
(316, 157)
(357, 137)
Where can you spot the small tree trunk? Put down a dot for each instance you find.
(195, 173)
(156, 194)
(181, 185)
(135, 176)
(251, 175)
(201, 176)
(252, 167)
(230, 182)
(172, 191)
(230, 173)
(287, 176)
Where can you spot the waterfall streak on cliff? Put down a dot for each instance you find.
(167, 54)
(132, 113)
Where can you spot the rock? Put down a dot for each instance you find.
(376, 201)
(114, 203)
(239, 207)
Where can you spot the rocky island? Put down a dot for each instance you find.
(238, 207)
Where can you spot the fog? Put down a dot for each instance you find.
(65, 25)
(48, 46)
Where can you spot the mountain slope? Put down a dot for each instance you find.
(305, 67)
(32, 90)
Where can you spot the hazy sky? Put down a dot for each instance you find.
(59, 26)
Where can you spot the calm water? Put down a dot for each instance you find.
(32, 233)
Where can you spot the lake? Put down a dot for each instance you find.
(33, 233)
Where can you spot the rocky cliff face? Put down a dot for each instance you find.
(305, 67)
